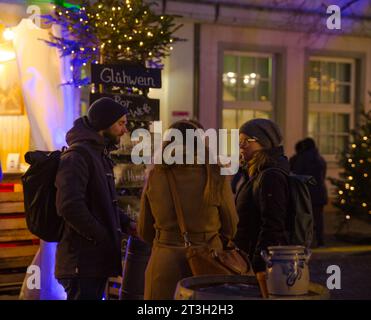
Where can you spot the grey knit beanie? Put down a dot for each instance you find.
(266, 132)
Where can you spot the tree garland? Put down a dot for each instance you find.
(111, 31)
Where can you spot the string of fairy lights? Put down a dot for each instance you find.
(354, 196)
(112, 31)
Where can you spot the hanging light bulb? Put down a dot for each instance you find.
(364, 204)
(8, 34)
(347, 217)
(141, 43)
(365, 138)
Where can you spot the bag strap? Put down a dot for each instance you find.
(178, 207)
(259, 177)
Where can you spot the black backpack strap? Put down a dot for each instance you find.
(258, 178)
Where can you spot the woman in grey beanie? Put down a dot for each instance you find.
(262, 198)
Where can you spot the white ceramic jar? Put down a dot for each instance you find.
(287, 270)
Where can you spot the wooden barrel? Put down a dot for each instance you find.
(136, 259)
(233, 287)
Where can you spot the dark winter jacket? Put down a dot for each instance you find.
(309, 162)
(262, 206)
(86, 199)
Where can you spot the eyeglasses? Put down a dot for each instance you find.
(245, 142)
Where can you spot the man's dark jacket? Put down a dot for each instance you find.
(86, 198)
(262, 206)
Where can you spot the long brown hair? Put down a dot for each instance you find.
(259, 160)
(214, 181)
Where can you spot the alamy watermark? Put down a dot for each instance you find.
(211, 147)
(334, 20)
(334, 280)
(34, 277)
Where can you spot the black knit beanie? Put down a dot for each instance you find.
(266, 132)
(104, 112)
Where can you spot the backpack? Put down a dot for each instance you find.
(300, 218)
(40, 192)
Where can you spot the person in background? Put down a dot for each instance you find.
(90, 248)
(262, 199)
(209, 212)
(308, 161)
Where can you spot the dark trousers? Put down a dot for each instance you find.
(318, 224)
(84, 288)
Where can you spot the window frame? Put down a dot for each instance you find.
(334, 108)
(258, 105)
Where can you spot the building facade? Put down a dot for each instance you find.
(247, 59)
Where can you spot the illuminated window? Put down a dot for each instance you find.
(247, 88)
(331, 103)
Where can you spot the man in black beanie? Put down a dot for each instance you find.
(90, 248)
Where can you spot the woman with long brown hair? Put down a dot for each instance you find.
(209, 212)
(262, 199)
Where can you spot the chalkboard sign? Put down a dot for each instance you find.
(140, 108)
(125, 75)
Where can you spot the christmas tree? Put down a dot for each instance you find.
(110, 31)
(353, 189)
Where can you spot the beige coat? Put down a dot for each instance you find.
(158, 224)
